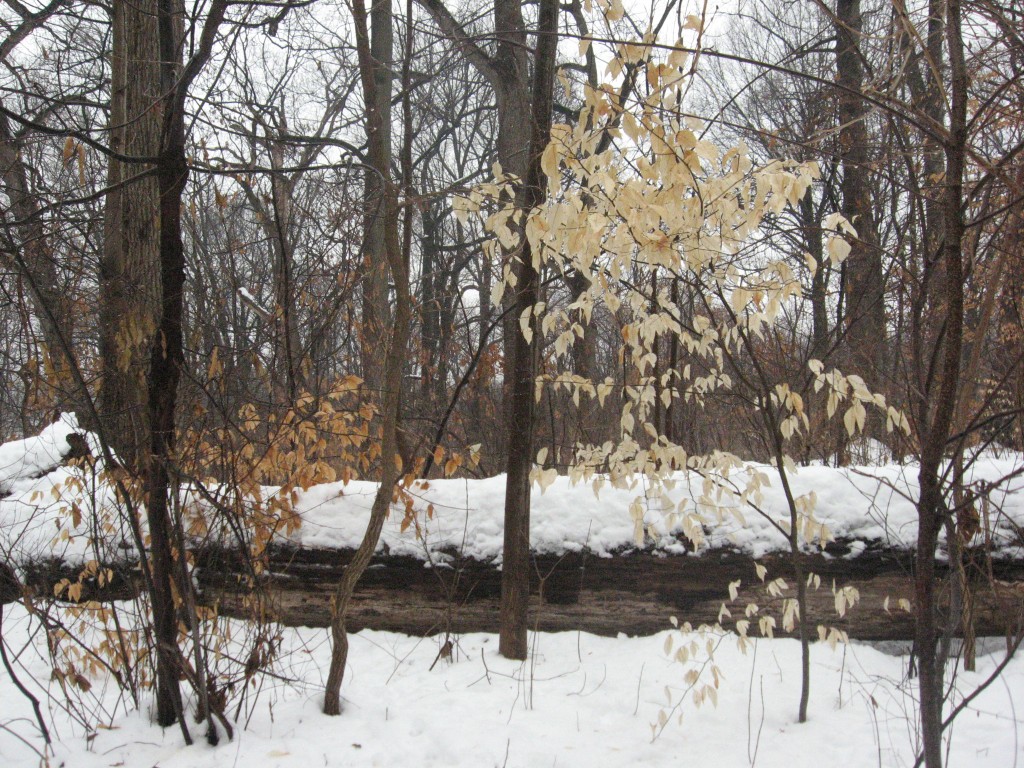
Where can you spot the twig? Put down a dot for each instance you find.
(24, 691)
(636, 707)
(445, 652)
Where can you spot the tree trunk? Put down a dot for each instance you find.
(584, 357)
(515, 581)
(865, 286)
(379, 156)
(290, 373)
(376, 310)
(932, 507)
(166, 361)
(130, 263)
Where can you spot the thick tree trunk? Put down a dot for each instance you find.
(632, 592)
(150, 88)
(138, 385)
(129, 266)
(865, 285)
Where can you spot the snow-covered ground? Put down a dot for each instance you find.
(580, 700)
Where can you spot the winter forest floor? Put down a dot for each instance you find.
(580, 700)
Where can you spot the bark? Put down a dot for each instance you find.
(439, 289)
(379, 158)
(932, 508)
(584, 358)
(132, 270)
(129, 266)
(289, 346)
(376, 311)
(865, 286)
(799, 576)
(631, 592)
(166, 361)
(152, 37)
(819, 287)
(342, 597)
(507, 72)
(515, 582)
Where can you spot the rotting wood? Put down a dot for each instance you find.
(634, 593)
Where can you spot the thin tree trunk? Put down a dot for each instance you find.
(290, 374)
(376, 311)
(380, 153)
(931, 505)
(166, 360)
(515, 575)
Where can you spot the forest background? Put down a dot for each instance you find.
(277, 244)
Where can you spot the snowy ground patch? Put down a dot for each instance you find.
(580, 700)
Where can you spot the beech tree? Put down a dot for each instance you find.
(666, 201)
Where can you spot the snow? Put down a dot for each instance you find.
(20, 460)
(862, 505)
(580, 700)
(37, 518)
(56, 516)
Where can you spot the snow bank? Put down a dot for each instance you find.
(55, 511)
(69, 514)
(23, 461)
(863, 506)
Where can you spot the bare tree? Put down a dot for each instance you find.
(373, 73)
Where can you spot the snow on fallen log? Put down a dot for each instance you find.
(863, 506)
(610, 558)
(22, 462)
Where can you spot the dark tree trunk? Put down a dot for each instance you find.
(376, 311)
(290, 373)
(515, 582)
(865, 284)
(130, 263)
(165, 364)
(932, 507)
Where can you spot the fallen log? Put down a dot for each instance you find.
(635, 592)
(43, 462)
